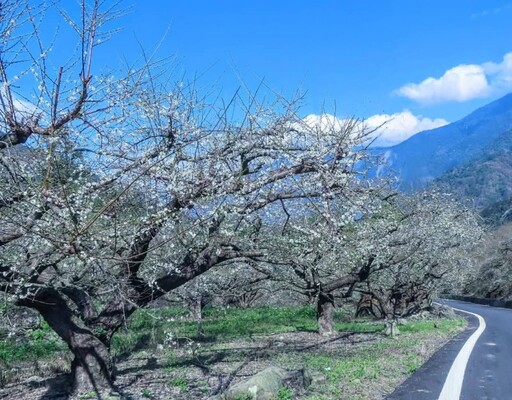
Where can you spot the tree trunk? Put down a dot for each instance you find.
(196, 313)
(391, 328)
(92, 366)
(91, 369)
(325, 314)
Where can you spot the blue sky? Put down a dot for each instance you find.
(424, 62)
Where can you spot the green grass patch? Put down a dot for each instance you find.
(359, 327)
(40, 343)
(284, 393)
(179, 383)
(347, 371)
(448, 326)
(10, 353)
(153, 326)
(348, 374)
(150, 327)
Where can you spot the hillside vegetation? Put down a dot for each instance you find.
(486, 180)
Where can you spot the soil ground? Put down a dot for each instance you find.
(358, 362)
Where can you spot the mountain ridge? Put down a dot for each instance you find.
(428, 155)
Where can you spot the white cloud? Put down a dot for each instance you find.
(500, 74)
(462, 83)
(388, 129)
(395, 128)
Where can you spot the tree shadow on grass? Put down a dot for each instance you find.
(144, 342)
(201, 362)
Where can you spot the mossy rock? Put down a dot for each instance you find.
(262, 386)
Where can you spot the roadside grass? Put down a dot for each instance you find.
(449, 326)
(367, 368)
(382, 364)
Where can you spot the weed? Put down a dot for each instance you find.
(147, 393)
(284, 393)
(179, 383)
(11, 352)
(412, 362)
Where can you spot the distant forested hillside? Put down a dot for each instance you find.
(486, 180)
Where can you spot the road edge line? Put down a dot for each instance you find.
(453, 384)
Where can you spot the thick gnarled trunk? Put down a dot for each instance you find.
(92, 365)
(325, 314)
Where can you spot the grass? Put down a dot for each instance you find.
(39, 343)
(386, 360)
(148, 328)
(284, 393)
(152, 326)
(179, 383)
(88, 396)
(348, 371)
(448, 326)
(382, 362)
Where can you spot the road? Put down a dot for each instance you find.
(488, 373)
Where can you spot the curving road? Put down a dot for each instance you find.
(484, 371)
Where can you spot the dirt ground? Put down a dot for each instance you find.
(197, 370)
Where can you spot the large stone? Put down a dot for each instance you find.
(262, 386)
(313, 378)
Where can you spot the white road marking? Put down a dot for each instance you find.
(453, 384)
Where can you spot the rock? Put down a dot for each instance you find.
(262, 386)
(313, 378)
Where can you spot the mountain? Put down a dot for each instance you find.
(427, 155)
(486, 179)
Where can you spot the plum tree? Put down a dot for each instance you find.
(116, 190)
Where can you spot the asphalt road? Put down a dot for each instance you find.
(488, 373)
